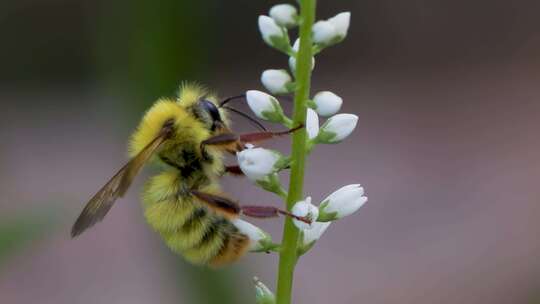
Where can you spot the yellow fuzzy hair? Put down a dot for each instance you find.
(210, 238)
(190, 93)
(167, 213)
(187, 126)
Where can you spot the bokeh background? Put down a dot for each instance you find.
(447, 147)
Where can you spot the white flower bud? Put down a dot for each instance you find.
(342, 202)
(276, 81)
(258, 238)
(292, 63)
(312, 123)
(327, 103)
(324, 32)
(257, 163)
(307, 210)
(263, 294)
(264, 106)
(284, 14)
(274, 35)
(313, 234)
(331, 31)
(269, 29)
(296, 45)
(341, 23)
(336, 128)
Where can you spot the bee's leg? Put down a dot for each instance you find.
(228, 141)
(234, 170)
(269, 211)
(218, 203)
(262, 136)
(227, 206)
(233, 142)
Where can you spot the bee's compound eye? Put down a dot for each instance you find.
(211, 108)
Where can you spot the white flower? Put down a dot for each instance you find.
(327, 103)
(312, 124)
(263, 294)
(341, 23)
(306, 210)
(269, 29)
(264, 106)
(296, 45)
(342, 202)
(276, 81)
(336, 128)
(313, 234)
(324, 32)
(257, 163)
(292, 63)
(284, 14)
(331, 31)
(256, 235)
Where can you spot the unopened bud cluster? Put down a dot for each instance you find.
(274, 30)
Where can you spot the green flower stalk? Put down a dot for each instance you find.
(288, 256)
(306, 222)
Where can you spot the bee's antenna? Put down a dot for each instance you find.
(226, 100)
(251, 119)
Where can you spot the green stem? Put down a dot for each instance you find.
(289, 250)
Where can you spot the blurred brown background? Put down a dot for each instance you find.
(448, 98)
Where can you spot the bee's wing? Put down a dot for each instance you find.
(96, 209)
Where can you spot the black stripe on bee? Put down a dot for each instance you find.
(192, 163)
(196, 217)
(170, 163)
(213, 232)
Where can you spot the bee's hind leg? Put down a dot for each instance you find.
(269, 211)
(230, 207)
(234, 170)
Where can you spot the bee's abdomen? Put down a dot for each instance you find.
(188, 228)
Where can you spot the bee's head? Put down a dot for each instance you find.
(209, 114)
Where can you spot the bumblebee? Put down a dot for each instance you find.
(184, 203)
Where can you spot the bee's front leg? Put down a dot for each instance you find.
(234, 142)
(262, 136)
